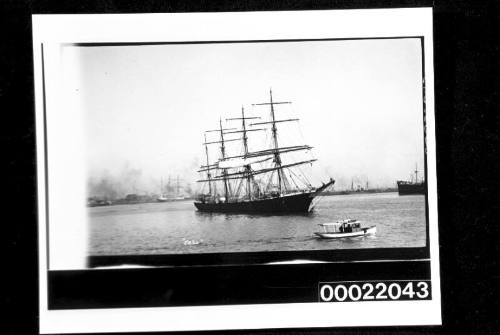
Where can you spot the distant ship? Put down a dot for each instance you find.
(95, 202)
(170, 195)
(256, 181)
(162, 198)
(412, 186)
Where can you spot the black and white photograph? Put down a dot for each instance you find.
(193, 145)
(190, 149)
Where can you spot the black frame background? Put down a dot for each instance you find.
(466, 91)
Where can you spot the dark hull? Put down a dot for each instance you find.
(406, 188)
(297, 203)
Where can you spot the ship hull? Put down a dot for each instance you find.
(296, 203)
(407, 189)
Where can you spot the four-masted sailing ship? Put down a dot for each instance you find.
(256, 181)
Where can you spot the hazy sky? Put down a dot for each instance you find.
(146, 107)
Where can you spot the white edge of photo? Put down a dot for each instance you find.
(54, 30)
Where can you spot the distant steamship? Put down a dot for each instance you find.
(412, 186)
(256, 181)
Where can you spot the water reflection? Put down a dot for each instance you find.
(164, 227)
(233, 216)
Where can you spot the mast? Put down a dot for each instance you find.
(208, 167)
(223, 153)
(416, 173)
(177, 190)
(245, 146)
(246, 153)
(274, 131)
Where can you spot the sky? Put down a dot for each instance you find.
(145, 108)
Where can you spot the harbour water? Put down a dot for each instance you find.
(176, 227)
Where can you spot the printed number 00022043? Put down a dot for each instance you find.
(370, 291)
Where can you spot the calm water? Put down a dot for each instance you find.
(176, 227)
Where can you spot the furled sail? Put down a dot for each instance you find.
(244, 174)
(239, 162)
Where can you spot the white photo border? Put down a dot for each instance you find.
(126, 28)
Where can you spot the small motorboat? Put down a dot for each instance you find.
(344, 228)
